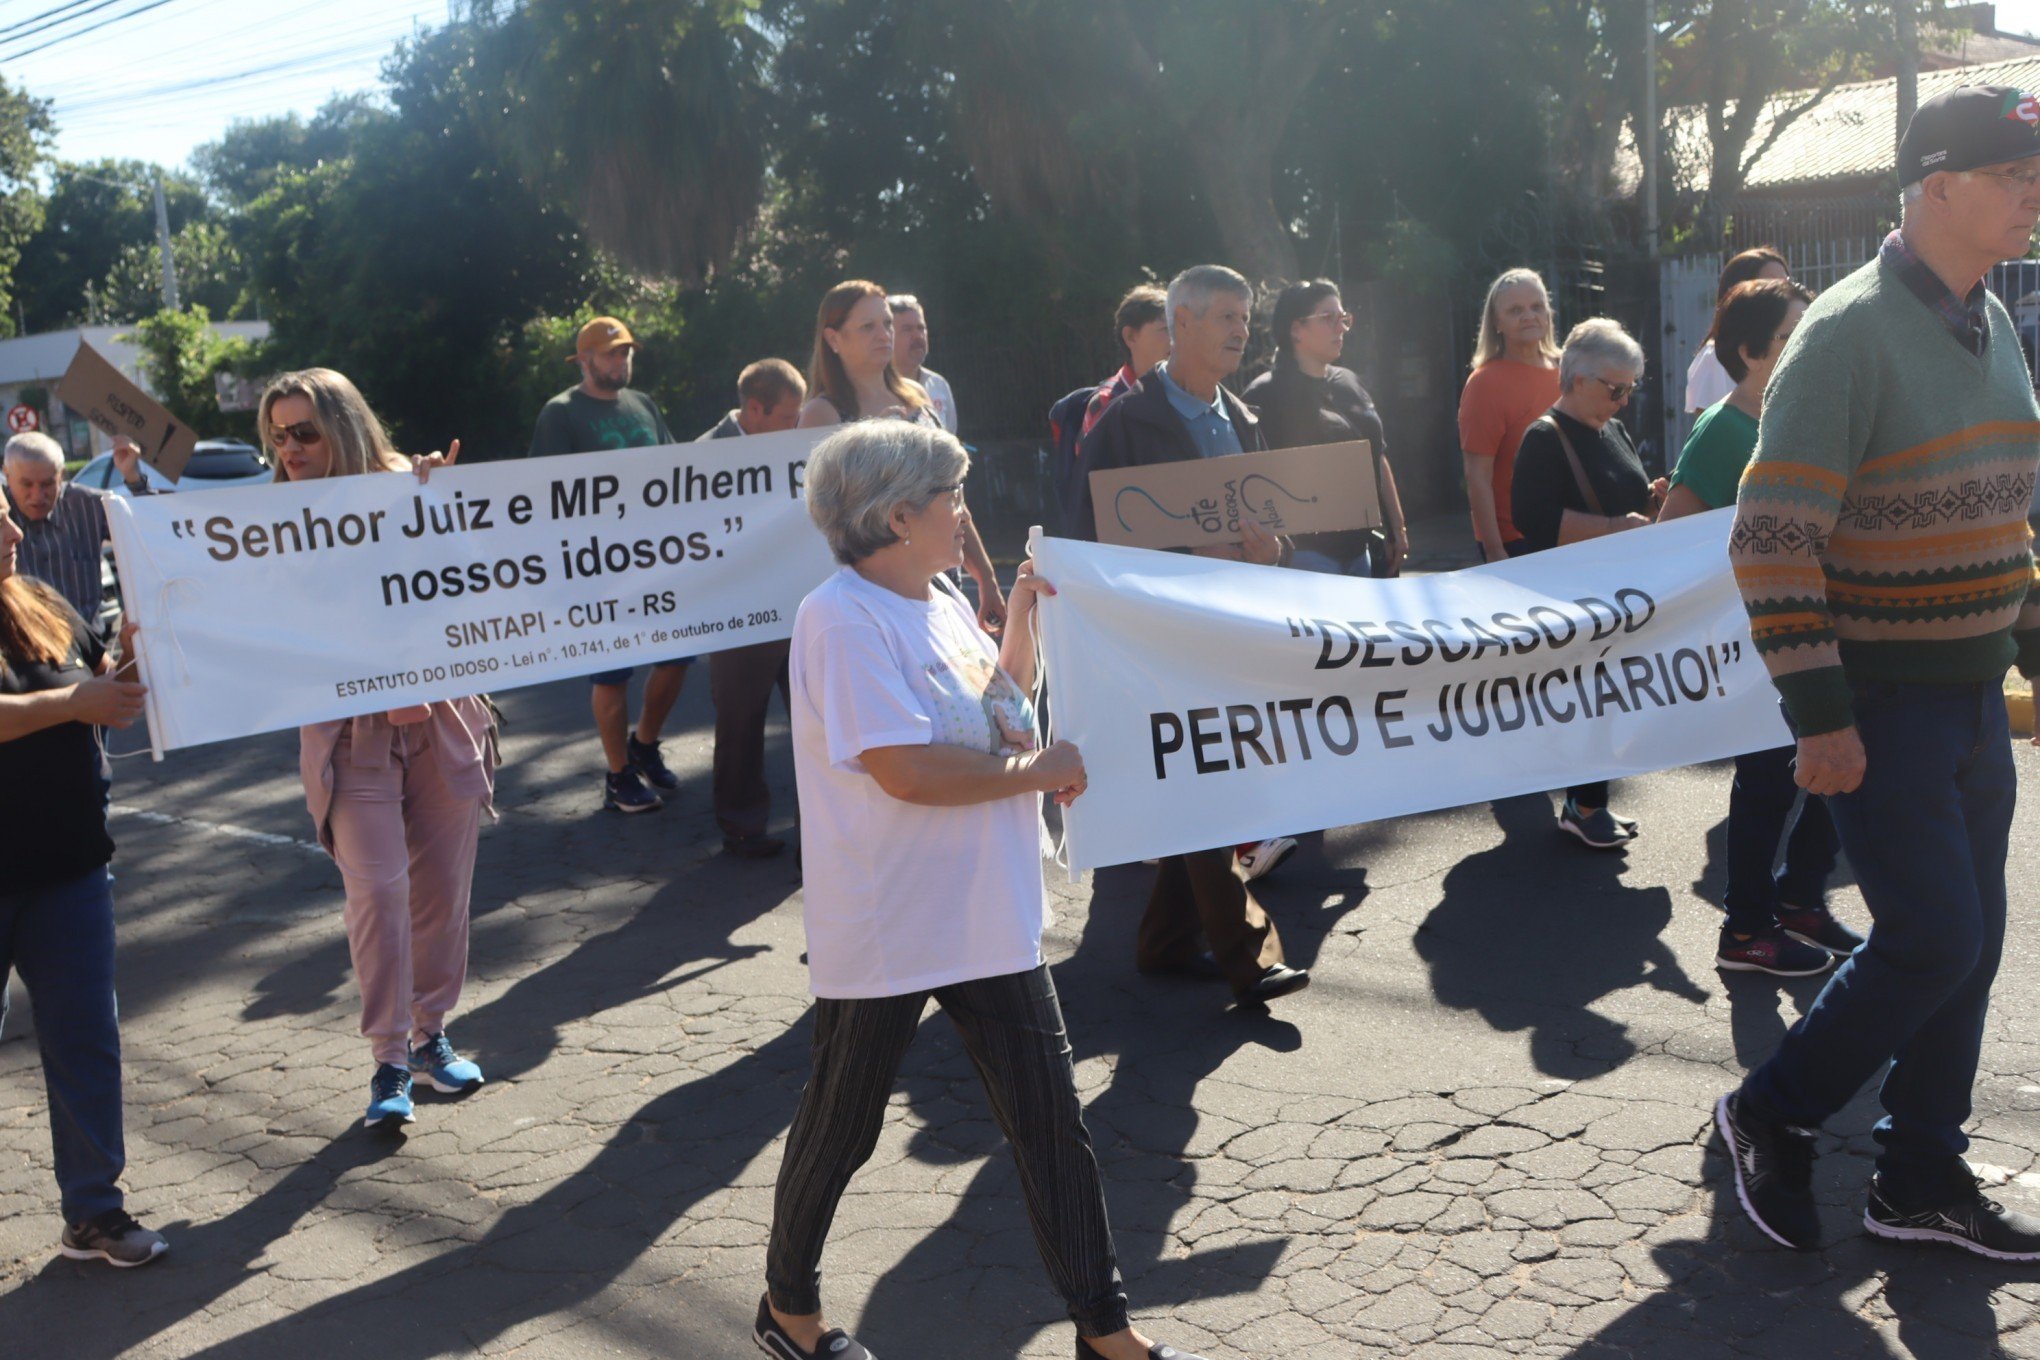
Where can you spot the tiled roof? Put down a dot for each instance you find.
(1849, 135)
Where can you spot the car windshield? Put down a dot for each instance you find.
(220, 462)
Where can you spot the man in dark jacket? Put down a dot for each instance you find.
(1178, 412)
(741, 679)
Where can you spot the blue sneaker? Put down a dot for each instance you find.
(389, 1098)
(443, 1069)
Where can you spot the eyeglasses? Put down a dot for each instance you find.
(1616, 391)
(2022, 183)
(1343, 320)
(304, 432)
(954, 491)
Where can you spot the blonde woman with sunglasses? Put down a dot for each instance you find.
(397, 797)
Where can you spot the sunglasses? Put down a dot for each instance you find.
(304, 432)
(1617, 391)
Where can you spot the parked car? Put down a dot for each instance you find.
(215, 464)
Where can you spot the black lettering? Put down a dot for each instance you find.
(1441, 730)
(1384, 715)
(1324, 661)
(1445, 653)
(1698, 689)
(1502, 722)
(1341, 705)
(1527, 639)
(1294, 708)
(1624, 597)
(1245, 737)
(220, 530)
(1479, 708)
(1375, 638)
(1410, 633)
(1164, 745)
(1538, 613)
(1636, 673)
(1606, 691)
(1544, 697)
(1593, 605)
(1199, 739)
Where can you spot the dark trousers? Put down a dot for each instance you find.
(60, 940)
(1593, 795)
(1760, 804)
(1927, 833)
(740, 681)
(1012, 1028)
(1199, 892)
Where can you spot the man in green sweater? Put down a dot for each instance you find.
(1881, 547)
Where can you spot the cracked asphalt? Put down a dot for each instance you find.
(1483, 1131)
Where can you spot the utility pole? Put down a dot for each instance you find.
(1905, 16)
(163, 244)
(1649, 138)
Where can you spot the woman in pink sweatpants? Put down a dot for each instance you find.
(397, 797)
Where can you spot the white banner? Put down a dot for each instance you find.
(1217, 703)
(269, 607)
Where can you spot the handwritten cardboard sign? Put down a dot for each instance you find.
(116, 407)
(1199, 503)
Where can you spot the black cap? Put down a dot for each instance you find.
(1962, 129)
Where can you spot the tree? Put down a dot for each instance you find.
(643, 117)
(209, 275)
(25, 133)
(245, 162)
(93, 213)
(180, 356)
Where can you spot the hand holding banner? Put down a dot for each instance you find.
(1217, 703)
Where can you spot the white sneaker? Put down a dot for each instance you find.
(1266, 858)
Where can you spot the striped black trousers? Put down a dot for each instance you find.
(1012, 1028)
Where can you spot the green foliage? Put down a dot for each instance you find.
(210, 274)
(25, 132)
(180, 355)
(92, 214)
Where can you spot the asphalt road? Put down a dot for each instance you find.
(1483, 1131)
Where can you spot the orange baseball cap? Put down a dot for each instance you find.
(601, 336)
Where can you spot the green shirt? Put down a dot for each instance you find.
(1712, 463)
(574, 422)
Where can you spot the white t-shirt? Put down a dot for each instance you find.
(903, 898)
(1707, 382)
(944, 399)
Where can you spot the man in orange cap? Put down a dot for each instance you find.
(602, 412)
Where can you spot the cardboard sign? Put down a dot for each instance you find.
(117, 408)
(1198, 503)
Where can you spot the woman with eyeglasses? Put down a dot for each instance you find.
(397, 798)
(1307, 399)
(851, 377)
(921, 775)
(1577, 477)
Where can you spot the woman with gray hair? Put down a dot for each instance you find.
(1578, 477)
(921, 778)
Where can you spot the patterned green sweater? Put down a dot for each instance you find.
(1880, 531)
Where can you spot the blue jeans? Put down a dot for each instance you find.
(1927, 832)
(1759, 807)
(60, 940)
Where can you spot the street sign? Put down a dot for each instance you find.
(22, 419)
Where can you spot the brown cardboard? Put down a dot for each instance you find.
(116, 407)
(1196, 504)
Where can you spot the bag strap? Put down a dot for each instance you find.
(1579, 471)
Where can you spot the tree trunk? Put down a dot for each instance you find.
(1239, 187)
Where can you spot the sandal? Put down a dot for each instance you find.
(835, 1344)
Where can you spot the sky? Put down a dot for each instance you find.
(153, 79)
(158, 78)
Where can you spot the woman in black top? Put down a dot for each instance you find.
(56, 904)
(1597, 371)
(1308, 399)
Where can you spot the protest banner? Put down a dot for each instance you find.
(1217, 702)
(111, 403)
(1198, 502)
(270, 607)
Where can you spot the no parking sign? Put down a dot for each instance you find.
(22, 419)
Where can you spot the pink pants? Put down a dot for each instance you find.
(405, 845)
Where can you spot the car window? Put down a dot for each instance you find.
(219, 464)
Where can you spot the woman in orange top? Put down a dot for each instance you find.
(1514, 381)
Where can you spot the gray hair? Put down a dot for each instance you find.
(1196, 286)
(904, 302)
(1592, 347)
(35, 447)
(858, 476)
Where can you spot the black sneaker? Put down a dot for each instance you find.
(1969, 1221)
(1773, 1173)
(834, 1344)
(1770, 951)
(625, 792)
(1817, 926)
(113, 1237)
(644, 757)
(1600, 828)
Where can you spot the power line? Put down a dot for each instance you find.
(107, 22)
(125, 102)
(38, 18)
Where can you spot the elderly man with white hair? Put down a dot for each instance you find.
(1181, 411)
(63, 526)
